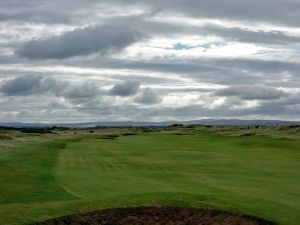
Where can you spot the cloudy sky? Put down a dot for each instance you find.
(158, 60)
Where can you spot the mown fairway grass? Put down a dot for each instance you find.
(256, 175)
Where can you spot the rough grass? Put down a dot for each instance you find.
(5, 137)
(223, 169)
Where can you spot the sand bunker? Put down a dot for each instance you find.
(155, 216)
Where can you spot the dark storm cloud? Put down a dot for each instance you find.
(254, 92)
(126, 88)
(83, 90)
(25, 85)
(83, 41)
(148, 96)
(28, 85)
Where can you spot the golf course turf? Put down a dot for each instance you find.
(249, 172)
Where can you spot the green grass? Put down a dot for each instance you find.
(249, 174)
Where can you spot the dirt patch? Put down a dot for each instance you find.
(129, 134)
(155, 216)
(247, 134)
(108, 136)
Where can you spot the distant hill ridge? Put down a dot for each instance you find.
(212, 122)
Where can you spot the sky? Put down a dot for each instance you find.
(160, 60)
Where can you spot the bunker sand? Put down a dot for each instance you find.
(156, 216)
